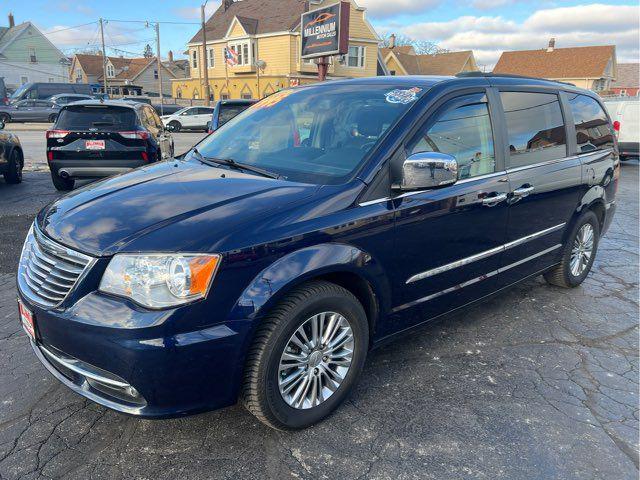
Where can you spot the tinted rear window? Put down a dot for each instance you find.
(102, 117)
(593, 131)
(535, 127)
(227, 112)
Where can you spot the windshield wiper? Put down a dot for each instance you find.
(233, 164)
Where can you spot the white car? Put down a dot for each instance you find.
(625, 114)
(190, 118)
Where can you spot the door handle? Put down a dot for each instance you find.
(495, 200)
(523, 191)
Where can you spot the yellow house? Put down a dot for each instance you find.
(265, 34)
(403, 60)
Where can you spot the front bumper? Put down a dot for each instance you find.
(131, 360)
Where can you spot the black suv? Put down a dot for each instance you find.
(94, 139)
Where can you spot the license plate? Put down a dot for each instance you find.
(94, 144)
(26, 318)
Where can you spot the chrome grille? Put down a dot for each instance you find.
(48, 271)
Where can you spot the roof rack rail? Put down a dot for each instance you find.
(505, 75)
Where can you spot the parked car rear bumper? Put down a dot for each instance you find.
(629, 148)
(93, 168)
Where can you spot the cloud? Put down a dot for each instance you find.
(488, 36)
(193, 13)
(387, 8)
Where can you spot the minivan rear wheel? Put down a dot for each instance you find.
(62, 184)
(578, 253)
(306, 356)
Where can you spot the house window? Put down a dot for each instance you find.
(242, 51)
(24, 80)
(600, 84)
(51, 79)
(78, 77)
(179, 92)
(623, 93)
(194, 59)
(356, 56)
(392, 72)
(32, 55)
(155, 74)
(224, 96)
(211, 61)
(246, 96)
(110, 71)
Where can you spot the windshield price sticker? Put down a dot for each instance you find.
(403, 96)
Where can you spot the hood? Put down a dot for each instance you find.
(180, 205)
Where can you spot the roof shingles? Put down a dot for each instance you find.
(256, 16)
(561, 63)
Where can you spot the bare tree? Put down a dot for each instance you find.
(421, 47)
(148, 51)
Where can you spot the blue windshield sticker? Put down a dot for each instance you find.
(403, 96)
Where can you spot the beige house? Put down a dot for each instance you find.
(265, 34)
(125, 76)
(403, 60)
(593, 68)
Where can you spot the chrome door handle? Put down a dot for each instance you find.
(495, 200)
(523, 191)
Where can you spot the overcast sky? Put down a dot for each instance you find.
(485, 26)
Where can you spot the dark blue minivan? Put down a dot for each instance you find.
(265, 263)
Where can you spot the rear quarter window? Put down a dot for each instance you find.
(101, 117)
(593, 130)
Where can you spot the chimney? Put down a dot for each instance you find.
(392, 40)
(170, 55)
(12, 22)
(552, 44)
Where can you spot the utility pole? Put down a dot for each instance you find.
(159, 66)
(104, 55)
(205, 62)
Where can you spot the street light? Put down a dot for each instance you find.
(206, 91)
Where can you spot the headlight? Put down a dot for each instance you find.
(160, 280)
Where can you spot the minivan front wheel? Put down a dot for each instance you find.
(306, 356)
(578, 254)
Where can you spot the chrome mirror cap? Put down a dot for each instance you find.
(428, 170)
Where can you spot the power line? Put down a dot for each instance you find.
(150, 22)
(33, 69)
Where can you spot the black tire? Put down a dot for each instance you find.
(13, 174)
(5, 118)
(175, 125)
(260, 391)
(53, 117)
(561, 275)
(62, 184)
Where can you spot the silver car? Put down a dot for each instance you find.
(30, 111)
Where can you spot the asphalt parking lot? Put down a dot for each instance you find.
(539, 382)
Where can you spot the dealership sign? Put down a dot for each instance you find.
(325, 31)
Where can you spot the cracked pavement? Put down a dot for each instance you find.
(540, 382)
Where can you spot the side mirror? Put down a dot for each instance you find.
(428, 170)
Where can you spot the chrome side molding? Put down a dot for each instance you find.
(482, 255)
(475, 280)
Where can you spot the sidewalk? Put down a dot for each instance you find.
(27, 127)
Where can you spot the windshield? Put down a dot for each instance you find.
(15, 95)
(317, 134)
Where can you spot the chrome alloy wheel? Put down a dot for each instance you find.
(582, 249)
(316, 360)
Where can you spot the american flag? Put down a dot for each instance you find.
(230, 56)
